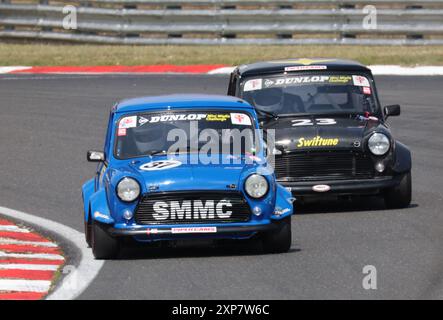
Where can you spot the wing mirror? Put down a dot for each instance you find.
(95, 156)
(393, 110)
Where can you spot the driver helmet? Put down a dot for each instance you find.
(147, 139)
(270, 100)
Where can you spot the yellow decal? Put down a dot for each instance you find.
(217, 117)
(317, 142)
(340, 79)
(305, 62)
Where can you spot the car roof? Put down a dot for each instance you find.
(279, 66)
(180, 101)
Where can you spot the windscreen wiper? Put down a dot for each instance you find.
(269, 115)
(155, 152)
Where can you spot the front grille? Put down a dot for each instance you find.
(192, 208)
(323, 166)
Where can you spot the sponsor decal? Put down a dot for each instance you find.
(321, 188)
(279, 211)
(191, 209)
(217, 117)
(194, 230)
(100, 215)
(160, 165)
(309, 122)
(142, 121)
(301, 79)
(240, 119)
(308, 79)
(269, 83)
(367, 90)
(177, 117)
(317, 142)
(304, 68)
(251, 85)
(360, 81)
(128, 122)
(121, 132)
(340, 79)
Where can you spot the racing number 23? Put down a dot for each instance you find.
(309, 122)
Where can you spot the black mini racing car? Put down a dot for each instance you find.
(331, 135)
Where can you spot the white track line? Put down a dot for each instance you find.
(46, 256)
(393, 70)
(19, 266)
(389, 70)
(25, 285)
(74, 283)
(222, 70)
(13, 229)
(11, 69)
(28, 243)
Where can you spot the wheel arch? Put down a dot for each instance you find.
(87, 191)
(403, 158)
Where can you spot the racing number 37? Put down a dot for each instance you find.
(309, 122)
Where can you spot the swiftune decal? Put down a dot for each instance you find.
(317, 142)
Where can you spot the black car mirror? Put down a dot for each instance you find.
(95, 156)
(393, 110)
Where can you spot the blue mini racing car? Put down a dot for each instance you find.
(184, 167)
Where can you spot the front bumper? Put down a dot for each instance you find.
(158, 233)
(342, 187)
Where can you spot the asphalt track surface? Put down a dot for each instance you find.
(49, 122)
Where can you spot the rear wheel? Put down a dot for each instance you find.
(278, 241)
(103, 245)
(399, 196)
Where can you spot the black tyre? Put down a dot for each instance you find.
(400, 196)
(103, 245)
(88, 228)
(278, 241)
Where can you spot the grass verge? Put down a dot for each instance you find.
(84, 55)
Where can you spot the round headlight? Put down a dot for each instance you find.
(128, 189)
(379, 144)
(256, 186)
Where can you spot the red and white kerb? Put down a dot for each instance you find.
(28, 263)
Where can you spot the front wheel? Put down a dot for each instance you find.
(399, 196)
(278, 241)
(103, 245)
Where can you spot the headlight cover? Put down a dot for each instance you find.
(379, 144)
(128, 189)
(256, 186)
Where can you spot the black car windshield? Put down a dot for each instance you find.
(156, 133)
(318, 93)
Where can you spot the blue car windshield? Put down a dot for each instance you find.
(319, 93)
(174, 132)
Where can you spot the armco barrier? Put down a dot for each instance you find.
(227, 22)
